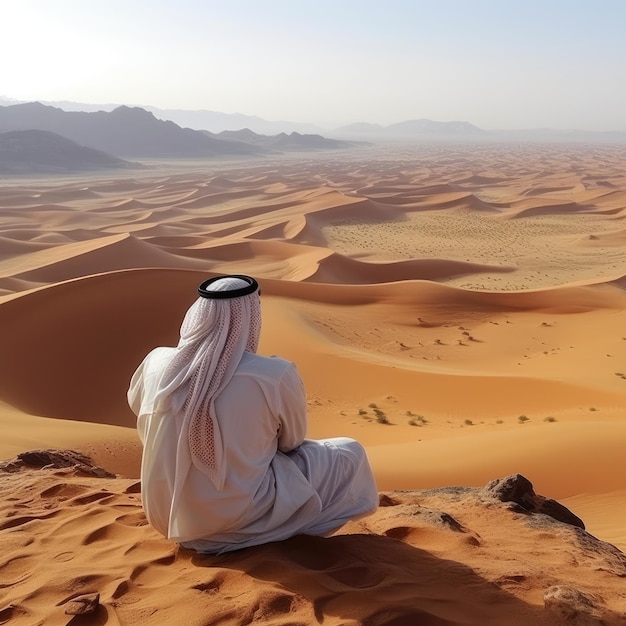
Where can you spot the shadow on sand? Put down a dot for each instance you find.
(366, 579)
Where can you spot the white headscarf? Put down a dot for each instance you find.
(213, 338)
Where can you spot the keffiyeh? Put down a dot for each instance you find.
(214, 335)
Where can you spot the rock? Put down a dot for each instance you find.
(573, 606)
(442, 519)
(55, 459)
(83, 605)
(385, 500)
(516, 488)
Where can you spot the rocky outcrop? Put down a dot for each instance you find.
(55, 459)
(518, 489)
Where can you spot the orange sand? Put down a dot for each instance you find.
(456, 289)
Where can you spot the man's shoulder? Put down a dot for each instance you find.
(160, 353)
(258, 365)
(157, 359)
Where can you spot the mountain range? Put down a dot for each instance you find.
(408, 131)
(128, 132)
(125, 132)
(43, 152)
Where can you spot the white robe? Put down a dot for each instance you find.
(277, 483)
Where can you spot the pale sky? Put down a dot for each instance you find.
(499, 64)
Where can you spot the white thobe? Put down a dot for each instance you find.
(277, 483)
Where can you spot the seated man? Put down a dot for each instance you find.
(225, 463)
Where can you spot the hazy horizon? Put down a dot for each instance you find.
(549, 64)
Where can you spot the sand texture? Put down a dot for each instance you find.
(459, 310)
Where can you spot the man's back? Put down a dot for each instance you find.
(261, 408)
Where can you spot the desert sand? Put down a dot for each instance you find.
(459, 310)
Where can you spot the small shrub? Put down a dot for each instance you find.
(549, 419)
(362, 412)
(381, 418)
(468, 423)
(372, 405)
(418, 420)
(522, 418)
(592, 408)
(499, 422)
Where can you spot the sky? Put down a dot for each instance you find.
(499, 64)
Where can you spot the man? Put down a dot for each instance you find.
(225, 463)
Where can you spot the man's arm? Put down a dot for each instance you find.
(135, 390)
(292, 411)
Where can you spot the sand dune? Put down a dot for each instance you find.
(337, 268)
(10, 248)
(459, 310)
(89, 257)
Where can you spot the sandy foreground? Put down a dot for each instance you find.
(459, 310)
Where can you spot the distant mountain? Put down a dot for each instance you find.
(68, 105)
(43, 152)
(542, 135)
(413, 129)
(164, 144)
(424, 126)
(363, 128)
(294, 142)
(8, 101)
(217, 122)
(432, 131)
(200, 119)
(245, 134)
(123, 132)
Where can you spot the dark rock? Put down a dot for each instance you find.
(55, 459)
(83, 605)
(518, 489)
(385, 500)
(442, 520)
(52, 458)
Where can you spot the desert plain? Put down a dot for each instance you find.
(460, 310)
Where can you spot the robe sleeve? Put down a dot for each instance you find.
(292, 410)
(135, 391)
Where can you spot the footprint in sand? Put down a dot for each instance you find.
(63, 490)
(98, 496)
(132, 519)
